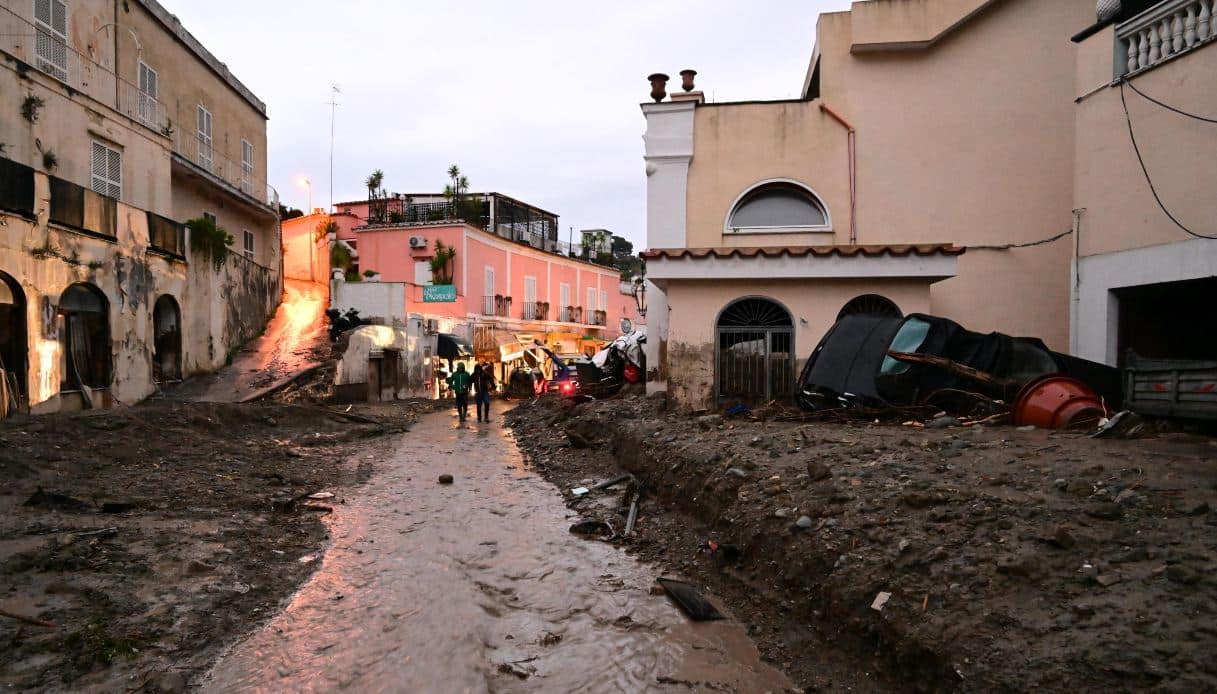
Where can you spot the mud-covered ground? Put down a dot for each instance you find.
(163, 531)
(869, 557)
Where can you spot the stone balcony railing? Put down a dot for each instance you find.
(1163, 31)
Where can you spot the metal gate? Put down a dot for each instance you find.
(754, 343)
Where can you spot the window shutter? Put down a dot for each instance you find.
(114, 172)
(42, 11)
(59, 17)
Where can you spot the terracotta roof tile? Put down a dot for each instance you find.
(803, 251)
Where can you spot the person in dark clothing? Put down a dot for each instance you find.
(459, 383)
(483, 387)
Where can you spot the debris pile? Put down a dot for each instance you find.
(1003, 558)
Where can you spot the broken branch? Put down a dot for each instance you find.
(28, 620)
(954, 367)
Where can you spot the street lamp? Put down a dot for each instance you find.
(309, 184)
(640, 296)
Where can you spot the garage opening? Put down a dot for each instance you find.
(167, 340)
(84, 340)
(754, 341)
(13, 345)
(1164, 321)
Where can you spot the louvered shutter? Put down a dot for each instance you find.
(107, 170)
(51, 37)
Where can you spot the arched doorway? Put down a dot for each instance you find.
(870, 304)
(167, 340)
(754, 343)
(13, 345)
(84, 338)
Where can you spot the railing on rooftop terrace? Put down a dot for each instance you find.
(237, 175)
(1163, 31)
(52, 55)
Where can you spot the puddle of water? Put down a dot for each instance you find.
(478, 587)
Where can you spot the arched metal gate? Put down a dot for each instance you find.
(754, 345)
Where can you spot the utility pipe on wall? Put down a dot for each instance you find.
(851, 148)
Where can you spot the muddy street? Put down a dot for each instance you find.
(478, 586)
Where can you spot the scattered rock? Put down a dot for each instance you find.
(1106, 510)
(1181, 573)
(737, 472)
(445, 479)
(803, 522)
(817, 471)
(709, 421)
(1063, 538)
(916, 499)
(942, 422)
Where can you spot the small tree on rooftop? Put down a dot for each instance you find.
(456, 192)
(377, 198)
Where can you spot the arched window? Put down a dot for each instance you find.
(84, 337)
(778, 206)
(872, 304)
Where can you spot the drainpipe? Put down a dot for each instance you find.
(851, 139)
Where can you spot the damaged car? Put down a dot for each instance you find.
(853, 364)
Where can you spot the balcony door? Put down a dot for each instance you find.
(206, 157)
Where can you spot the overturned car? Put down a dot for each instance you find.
(853, 364)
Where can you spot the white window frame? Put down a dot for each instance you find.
(603, 300)
(47, 36)
(148, 81)
(591, 300)
(248, 241)
(826, 227)
(106, 177)
(530, 289)
(488, 281)
(206, 143)
(247, 166)
(564, 294)
(422, 273)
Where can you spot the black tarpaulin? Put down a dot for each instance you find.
(452, 347)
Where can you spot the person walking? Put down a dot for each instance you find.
(459, 383)
(483, 388)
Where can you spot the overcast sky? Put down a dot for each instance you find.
(536, 99)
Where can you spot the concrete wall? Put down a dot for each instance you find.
(1179, 152)
(695, 306)
(414, 348)
(968, 141)
(380, 302)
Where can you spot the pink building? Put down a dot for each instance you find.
(512, 280)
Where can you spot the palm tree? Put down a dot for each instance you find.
(376, 205)
(374, 181)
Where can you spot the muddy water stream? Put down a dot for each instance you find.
(479, 587)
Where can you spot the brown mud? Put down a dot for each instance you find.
(163, 531)
(868, 557)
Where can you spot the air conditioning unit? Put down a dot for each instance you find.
(418, 242)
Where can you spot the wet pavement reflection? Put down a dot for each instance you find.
(478, 587)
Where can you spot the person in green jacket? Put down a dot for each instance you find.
(459, 383)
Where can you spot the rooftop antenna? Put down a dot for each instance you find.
(334, 92)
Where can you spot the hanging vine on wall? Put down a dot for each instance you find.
(31, 106)
(210, 240)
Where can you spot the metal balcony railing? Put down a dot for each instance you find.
(536, 310)
(203, 153)
(598, 318)
(487, 305)
(571, 314)
(1163, 31)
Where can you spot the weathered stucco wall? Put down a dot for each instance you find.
(220, 308)
(696, 305)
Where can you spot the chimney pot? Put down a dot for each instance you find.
(659, 86)
(686, 79)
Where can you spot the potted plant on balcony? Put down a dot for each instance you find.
(542, 310)
(441, 263)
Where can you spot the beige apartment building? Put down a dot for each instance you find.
(941, 159)
(117, 127)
